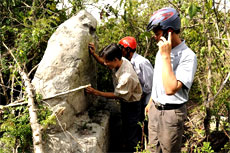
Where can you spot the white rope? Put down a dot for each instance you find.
(66, 92)
(53, 96)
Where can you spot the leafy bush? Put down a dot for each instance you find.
(15, 129)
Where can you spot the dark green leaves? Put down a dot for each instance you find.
(192, 10)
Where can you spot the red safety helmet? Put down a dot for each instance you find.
(164, 19)
(128, 42)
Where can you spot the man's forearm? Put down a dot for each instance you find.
(106, 94)
(98, 58)
(170, 82)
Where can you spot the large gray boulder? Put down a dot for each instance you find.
(66, 65)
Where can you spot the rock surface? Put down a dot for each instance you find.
(85, 136)
(66, 65)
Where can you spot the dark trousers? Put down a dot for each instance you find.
(130, 114)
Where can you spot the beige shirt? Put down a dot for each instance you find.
(126, 82)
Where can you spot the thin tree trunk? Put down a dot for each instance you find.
(148, 45)
(35, 126)
(209, 94)
(2, 82)
(12, 89)
(4, 89)
(207, 104)
(228, 107)
(201, 89)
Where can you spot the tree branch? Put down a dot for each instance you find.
(34, 68)
(178, 9)
(148, 45)
(221, 87)
(35, 126)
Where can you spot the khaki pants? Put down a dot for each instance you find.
(166, 129)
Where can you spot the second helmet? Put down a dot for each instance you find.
(128, 42)
(164, 19)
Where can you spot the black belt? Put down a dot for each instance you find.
(167, 106)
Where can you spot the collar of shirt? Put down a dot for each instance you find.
(119, 71)
(179, 47)
(133, 58)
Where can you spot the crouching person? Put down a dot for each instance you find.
(127, 89)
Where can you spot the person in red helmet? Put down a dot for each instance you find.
(144, 70)
(174, 70)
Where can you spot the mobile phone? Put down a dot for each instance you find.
(165, 34)
(90, 47)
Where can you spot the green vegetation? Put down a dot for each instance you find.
(27, 25)
(15, 130)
